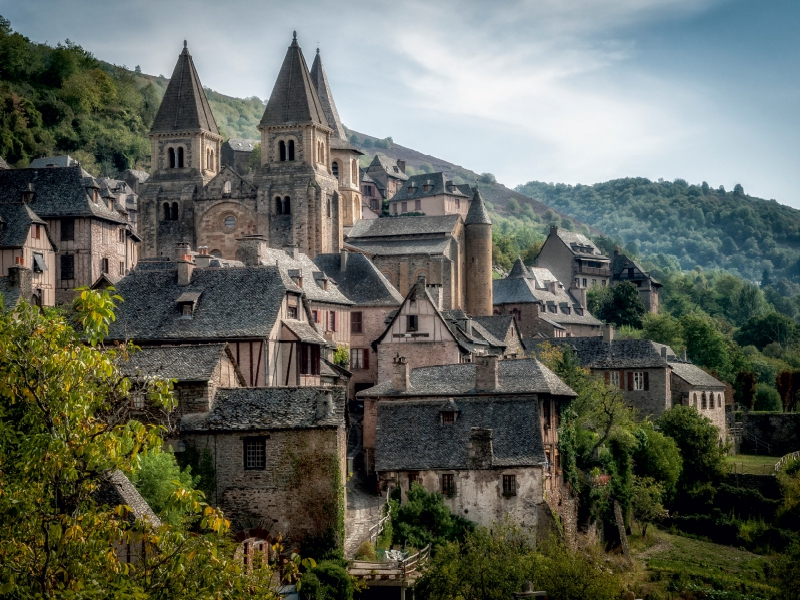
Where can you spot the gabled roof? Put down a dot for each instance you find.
(477, 211)
(396, 226)
(427, 184)
(497, 325)
(184, 106)
(385, 164)
(240, 145)
(579, 244)
(294, 97)
(270, 408)
(234, 303)
(320, 80)
(311, 274)
(64, 160)
(413, 438)
(524, 376)
(694, 375)
(361, 281)
(58, 192)
(117, 490)
(621, 262)
(191, 363)
(595, 353)
(16, 219)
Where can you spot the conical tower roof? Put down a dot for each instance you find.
(294, 98)
(519, 270)
(185, 106)
(477, 210)
(320, 80)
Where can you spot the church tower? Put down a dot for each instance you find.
(478, 251)
(344, 157)
(184, 154)
(297, 191)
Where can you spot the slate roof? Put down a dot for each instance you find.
(16, 219)
(11, 295)
(437, 182)
(519, 270)
(117, 490)
(234, 303)
(184, 106)
(390, 248)
(65, 160)
(240, 145)
(694, 375)
(477, 211)
(310, 273)
(294, 97)
(575, 241)
(58, 193)
(269, 408)
(305, 332)
(395, 226)
(320, 80)
(361, 281)
(524, 376)
(621, 262)
(594, 352)
(194, 363)
(384, 163)
(497, 325)
(137, 174)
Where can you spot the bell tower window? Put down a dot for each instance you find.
(278, 205)
(166, 211)
(335, 169)
(171, 153)
(282, 150)
(291, 149)
(174, 212)
(180, 158)
(287, 206)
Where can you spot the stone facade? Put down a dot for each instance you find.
(648, 390)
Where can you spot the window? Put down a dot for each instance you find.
(584, 282)
(335, 169)
(703, 400)
(137, 399)
(354, 170)
(412, 322)
(292, 312)
(417, 204)
(315, 316)
(719, 400)
(448, 417)
(329, 208)
(694, 399)
(412, 479)
(166, 211)
(104, 265)
(614, 378)
(449, 485)
(332, 320)
(282, 150)
(373, 204)
(546, 413)
(359, 358)
(67, 230)
(458, 202)
(67, 266)
(37, 232)
(404, 207)
(230, 222)
(509, 485)
(287, 206)
(394, 207)
(291, 149)
(639, 381)
(180, 158)
(39, 265)
(309, 359)
(187, 310)
(356, 322)
(174, 212)
(255, 454)
(226, 189)
(171, 153)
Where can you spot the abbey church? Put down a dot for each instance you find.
(305, 193)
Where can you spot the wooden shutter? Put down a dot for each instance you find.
(622, 380)
(607, 376)
(365, 352)
(630, 381)
(646, 380)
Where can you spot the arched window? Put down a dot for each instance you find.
(287, 206)
(694, 399)
(282, 151)
(291, 149)
(278, 205)
(180, 157)
(166, 211)
(703, 400)
(719, 400)
(329, 208)
(216, 253)
(174, 212)
(355, 171)
(335, 169)
(226, 189)
(171, 153)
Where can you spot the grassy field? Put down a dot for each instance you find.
(672, 567)
(752, 464)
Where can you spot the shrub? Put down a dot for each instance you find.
(767, 398)
(366, 551)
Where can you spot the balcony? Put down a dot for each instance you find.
(579, 270)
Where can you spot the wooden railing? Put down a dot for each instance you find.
(376, 530)
(410, 564)
(785, 459)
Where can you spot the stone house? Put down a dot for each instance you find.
(624, 268)
(484, 434)
(542, 306)
(126, 201)
(691, 386)
(429, 335)
(389, 175)
(372, 193)
(27, 256)
(235, 153)
(259, 311)
(279, 456)
(573, 257)
(92, 234)
(134, 178)
(374, 299)
(432, 194)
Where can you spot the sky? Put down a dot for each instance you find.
(572, 91)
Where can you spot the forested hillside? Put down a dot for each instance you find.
(687, 224)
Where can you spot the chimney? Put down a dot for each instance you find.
(400, 378)
(181, 248)
(401, 164)
(185, 270)
(251, 250)
(486, 374)
(292, 251)
(343, 254)
(20, 277)
(479, 449)
(664, 352)
(683, 354)
(608, 333)
(202, 259)
(552, 286)
(553, 229)
(27, 195)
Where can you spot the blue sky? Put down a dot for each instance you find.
(575, 91)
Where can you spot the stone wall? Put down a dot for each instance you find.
(780, 430)
(650, 402)
(688, 395)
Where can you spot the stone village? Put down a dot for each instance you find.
(242, 288)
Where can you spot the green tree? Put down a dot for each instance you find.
(762, 330)
(425, 519)
(158, 478)
(706, 345)
(664, 329)
(327, 580)
(647, 498)
(658, 457)
(623, 306)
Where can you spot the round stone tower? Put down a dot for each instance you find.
(478, 251)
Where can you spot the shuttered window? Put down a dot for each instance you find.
(356, 322)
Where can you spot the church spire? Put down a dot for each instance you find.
(320, 80)
(294, 98)
(185, 106)
(477, 213)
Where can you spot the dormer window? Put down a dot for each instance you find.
(292, 312)
(448, 417)
(412, 322)
(187, 302)
(95, 195)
